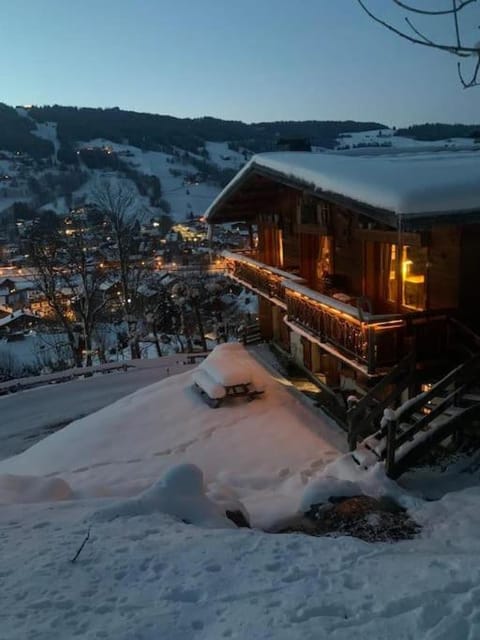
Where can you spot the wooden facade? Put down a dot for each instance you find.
(350, 291)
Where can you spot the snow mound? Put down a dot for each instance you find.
(16, 488)
(319, 491)
(227, 499)
(228, 365)
(180, 493)
(203, 380)
(344, 478)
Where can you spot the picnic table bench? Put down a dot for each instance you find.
(215, 394)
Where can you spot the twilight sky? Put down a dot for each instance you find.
(249, 60)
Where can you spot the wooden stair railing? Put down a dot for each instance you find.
(458, 375)
(430, 438)
(397, 431)
(367, 413)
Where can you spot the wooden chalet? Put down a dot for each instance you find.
(365, 267)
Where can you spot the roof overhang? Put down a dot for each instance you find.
(256, 187)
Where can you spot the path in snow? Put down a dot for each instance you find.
(29, 416)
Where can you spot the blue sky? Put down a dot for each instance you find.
(250, 60)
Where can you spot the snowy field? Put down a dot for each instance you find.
(401, 143)
(30, 415)
(262, 449)
(150, 575)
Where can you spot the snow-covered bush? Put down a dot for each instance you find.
(180, 493)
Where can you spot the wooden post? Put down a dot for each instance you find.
(250, 237)
(371, 349)
(389, 416)
(352, 432)
(321, 325)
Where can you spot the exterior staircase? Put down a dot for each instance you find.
(405, 435)
(401, 437)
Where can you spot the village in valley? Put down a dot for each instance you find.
(240, 357)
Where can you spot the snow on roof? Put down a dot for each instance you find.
(15, 315)
(410, 184)
(19, 282)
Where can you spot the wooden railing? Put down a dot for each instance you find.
(448, 390)
(374, 342)
(267, 281)
(365, 416)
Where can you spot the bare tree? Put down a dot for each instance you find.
(188, 297)
(119, 204)
(46, 275)
(462, 19)
(71, 284)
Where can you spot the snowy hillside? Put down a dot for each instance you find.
(143, 573)
(185, 191)
(387, 140)
(184, 194)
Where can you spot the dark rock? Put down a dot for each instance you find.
(363, 517)
(238, 518)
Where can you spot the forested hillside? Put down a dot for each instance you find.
(431, 131)
(16, 134)
(149, 131)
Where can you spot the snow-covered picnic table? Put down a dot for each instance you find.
(224, 375)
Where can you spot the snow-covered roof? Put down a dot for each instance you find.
(411, 184)
(15, 315)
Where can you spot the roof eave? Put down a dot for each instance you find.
(385, 216)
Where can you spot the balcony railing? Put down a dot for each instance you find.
(267, 281)
(372, 342)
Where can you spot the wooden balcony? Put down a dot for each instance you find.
(264, 280)
(370, 343)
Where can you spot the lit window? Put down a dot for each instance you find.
(414, 263)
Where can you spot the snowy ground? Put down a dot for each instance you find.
(265, 450)
(152, 576)
(28, 416)
(402, 143)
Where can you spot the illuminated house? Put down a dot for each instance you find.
(361, 259)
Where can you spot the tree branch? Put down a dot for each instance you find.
(428, 12)
(474, 82)
(421, 39)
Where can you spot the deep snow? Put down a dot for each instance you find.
(265, 450)
(147, 575)
(28, 416)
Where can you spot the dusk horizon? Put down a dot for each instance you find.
(242, 120)
(314, 62)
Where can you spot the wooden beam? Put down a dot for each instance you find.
(313, 229)
(389, 237)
